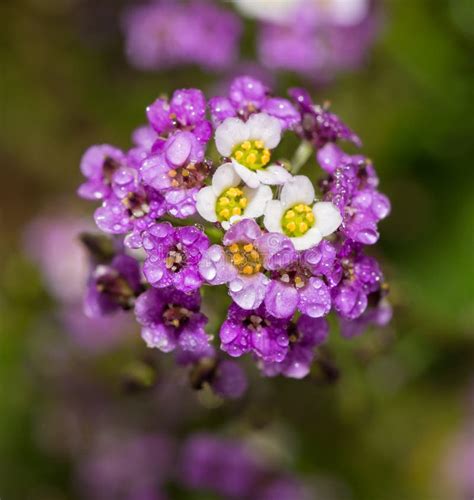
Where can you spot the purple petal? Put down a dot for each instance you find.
(215, 268)
(315, 299)
(248, 291)
(281, 299)
(245, 231)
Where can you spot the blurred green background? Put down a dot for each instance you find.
(383, 429)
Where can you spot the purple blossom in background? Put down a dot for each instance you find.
(352, 187)
(132, 468)
(165, 34)
(171, 319)
(304, 336)
(173, 256)
(378, 315)
(317, 125)
(317, 43)
(254, 331)
(247, 95)
(178, 172)
(112, 287)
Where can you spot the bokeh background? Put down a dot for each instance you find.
(386, 426)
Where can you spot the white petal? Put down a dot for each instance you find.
(265, 128)
(299, 190)
(308, 240)
(206, 204)
(273, 214)
(327, 216)
(274, 175)
(248, 176)
(229, 133)
(224, 178)
(257, 200)
(276, 11)
(347, 13)
(227, 223)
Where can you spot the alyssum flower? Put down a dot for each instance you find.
(213, 203)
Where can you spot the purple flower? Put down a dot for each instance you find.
(247, 95)
(167, 34)
(134, 213)
(360, 276)
(178, 172)
(222, 466)
(173, 255)
(104, 167)
(352, 187)
(378, 315)
(171, 319)
(246, 253)
(186, 111)
(297, 282)
(304, 336)
(317, 124)
(112, 287)
(254, 331)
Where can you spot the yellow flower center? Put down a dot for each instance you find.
(297, 220)
(231, 202)
(245, 258)
(252, 154)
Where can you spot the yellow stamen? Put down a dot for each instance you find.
(224, 201)
(246, 145)
(255, 255)
(234, 248)
(236, 211)
(310, 217)
(258, 144)
(291, 226)
(248, 247)
(225, 213)
(247, 270)
(251, 159)
(185, 173)
(172, 173)
(303, 227)
(299, 208)
(239, 155)
(238, 259)
(290, 214)
(243, 202)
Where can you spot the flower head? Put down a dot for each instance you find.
(173, 255)
(178, 172)
(240, 262)
(249, 146)
(171, 319)
(248, 96)
(304, 335)
(226, 201)
(297, 216)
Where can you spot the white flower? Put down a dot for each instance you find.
(344, 12)
(226, 202)
(295, 215)
(248, 144)
(274, 11)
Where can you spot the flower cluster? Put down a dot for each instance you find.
(210, 202)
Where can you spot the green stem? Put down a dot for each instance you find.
(301, 156)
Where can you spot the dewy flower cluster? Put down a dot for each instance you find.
(207, 198)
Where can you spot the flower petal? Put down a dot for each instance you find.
(328, 218)
(315, 299)
(281, 300)
(248, 292)
(273, 214)
(246, 230)
(299, 190)
(229, 133)
(215, 268)
(224, 178)
(206, 204)
(265, 128)
(308, 240)
(274, 175)
(248, 176)
(257, 200)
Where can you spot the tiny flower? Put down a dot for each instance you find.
(256, 331)
(102, 166)
(173, 255)
(225, 201)
(171, 319)
(178, 172)
(112, 287)
(247, 96)
(295, 215)
(186, 111)
(361, 276)
(249, 146)
(317, 124)
(133, 214)
(246, 253)
(304, 336)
